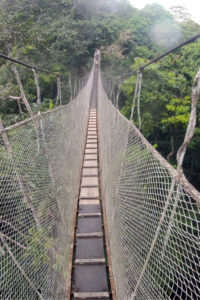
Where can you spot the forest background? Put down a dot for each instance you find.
(62, 36)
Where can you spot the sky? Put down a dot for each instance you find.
(192, 6)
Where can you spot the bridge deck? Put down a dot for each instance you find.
(90, 274)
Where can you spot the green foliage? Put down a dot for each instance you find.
(177, 112)
(167, 84)
(51, 105)
(33, 240)
(61, 36)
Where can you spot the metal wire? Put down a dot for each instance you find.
(25, 64)
(141, 205)
(154, 60)
(153, 216)
(39, 187)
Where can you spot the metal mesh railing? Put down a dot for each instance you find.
(39, 180)
(153, 218)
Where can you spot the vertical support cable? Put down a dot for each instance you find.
(138, 99)
(18, 99)
(134, 98)
(36, 79)
(22, 94)
(111, 90)
(70, 87)
(182, 150)
(117, 96)
(26, 103)
(58, 97)
(137, 94)
(180, 157)
(75, 87)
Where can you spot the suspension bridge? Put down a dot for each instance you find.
(90, 210)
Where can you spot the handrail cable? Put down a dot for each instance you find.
(192, 39)
(141, 68)
(27, 65)
(35, 67)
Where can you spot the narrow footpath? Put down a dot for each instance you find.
(90, 278)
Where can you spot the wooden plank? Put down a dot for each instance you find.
(90, 164)
(97, 295)
(90, 171)
(91, 146)
(90, 156)
(90, 261)
(92, 133)
(88, 202)
(92, 136)
(89, 181)
(91, 192)
(86, 215)
(89, 235)
(91, 141)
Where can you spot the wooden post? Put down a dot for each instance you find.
(19, 178)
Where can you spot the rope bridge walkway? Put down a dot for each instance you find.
(90, 210)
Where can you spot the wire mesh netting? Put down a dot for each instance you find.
(39, 181)
(153, 219)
